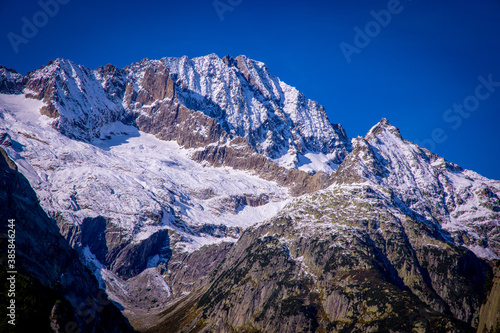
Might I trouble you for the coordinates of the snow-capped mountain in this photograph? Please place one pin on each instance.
(74, 98)
(246, 100)
(192, 176)
(89, 126)
(463, 205)
(240, 95)
(139, 185)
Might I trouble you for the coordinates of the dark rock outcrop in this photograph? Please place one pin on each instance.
(185, 274)
(489, 317)
(134, 257)
(239, 155)
(11, 82)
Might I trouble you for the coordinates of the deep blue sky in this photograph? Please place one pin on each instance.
(424, 61)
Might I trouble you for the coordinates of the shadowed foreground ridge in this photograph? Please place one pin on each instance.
(54, 290)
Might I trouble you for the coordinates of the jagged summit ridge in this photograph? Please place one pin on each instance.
(11, 82)
(74, 98)
(239, 94)
(460, 202)
(247, 101)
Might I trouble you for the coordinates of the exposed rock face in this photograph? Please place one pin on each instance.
(11, 82)
(275, 281)
(186, 272)
(114, 249)
(489, 317)
(74, 98)
(51, 276)
(240, 155)
(170, 120)
(134, 257)
(250, 102)
(240, 96)
(147, 294)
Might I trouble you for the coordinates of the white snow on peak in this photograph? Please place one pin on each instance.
(76, 94)
(275, 118)
(460, 202)
(241, 94)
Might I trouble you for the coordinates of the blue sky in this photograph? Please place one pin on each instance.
(427, 59)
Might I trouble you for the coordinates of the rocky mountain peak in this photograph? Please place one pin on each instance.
(434, 190)
(383, 126)
(239, 94)
(246, 100)
(74, 98)
(229, 61)
(11, 81)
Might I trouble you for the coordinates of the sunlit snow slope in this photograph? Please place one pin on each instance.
(136, 182)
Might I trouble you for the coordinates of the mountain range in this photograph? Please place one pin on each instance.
(206, 195)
